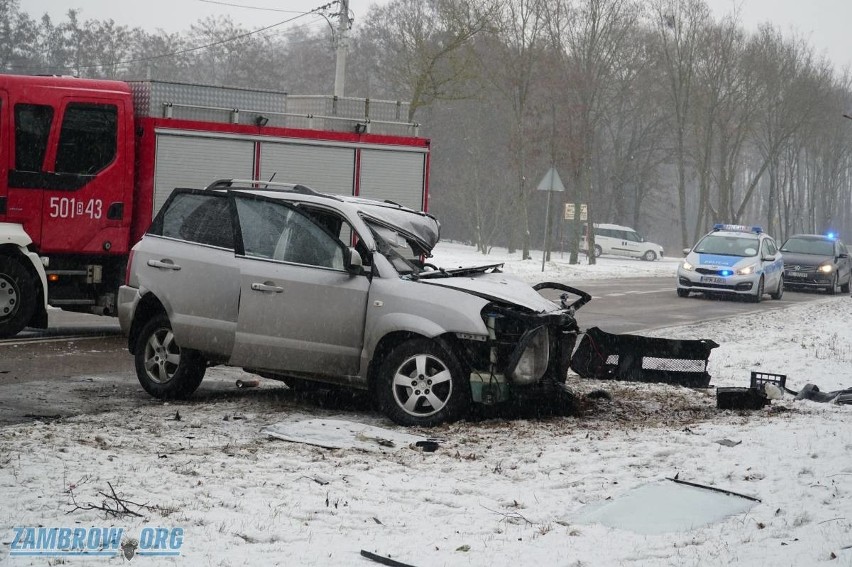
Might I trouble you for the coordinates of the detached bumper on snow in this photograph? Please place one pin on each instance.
(605, 356)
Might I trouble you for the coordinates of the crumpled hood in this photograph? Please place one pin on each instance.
(421, 228)
(500, 287)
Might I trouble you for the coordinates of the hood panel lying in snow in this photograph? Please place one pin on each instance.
(498, 286)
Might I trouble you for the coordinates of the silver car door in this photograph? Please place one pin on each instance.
(187, 261)
(300, 311)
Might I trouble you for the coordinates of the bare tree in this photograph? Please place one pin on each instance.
(792, 89)
(423, 47)
(716, 102)
(511, 58)
(590, 38)
(679, 25)
(634, 136)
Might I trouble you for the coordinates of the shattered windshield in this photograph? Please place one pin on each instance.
(395, 247)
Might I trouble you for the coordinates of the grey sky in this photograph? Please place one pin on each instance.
(178, 15)
(823, 23)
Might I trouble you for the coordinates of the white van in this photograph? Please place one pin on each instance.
(620, 241)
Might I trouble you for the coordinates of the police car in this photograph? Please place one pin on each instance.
(733, 260)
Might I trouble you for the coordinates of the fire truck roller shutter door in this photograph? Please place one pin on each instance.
(196, 161)
(327, 169)
(393, 175)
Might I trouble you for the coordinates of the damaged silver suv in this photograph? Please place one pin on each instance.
(304, 287)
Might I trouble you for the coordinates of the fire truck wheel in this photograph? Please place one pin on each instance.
(17, 296)
(164, 369)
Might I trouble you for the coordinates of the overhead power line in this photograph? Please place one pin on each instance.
(315, 11)
(262, 8)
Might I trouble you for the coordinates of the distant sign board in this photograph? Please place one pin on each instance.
(570, 211)
(551, 181)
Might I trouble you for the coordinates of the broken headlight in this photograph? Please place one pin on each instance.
(530, 359)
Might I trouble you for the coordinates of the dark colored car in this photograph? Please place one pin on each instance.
(816, 261)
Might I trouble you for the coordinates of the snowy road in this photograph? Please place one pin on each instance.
(496, 492)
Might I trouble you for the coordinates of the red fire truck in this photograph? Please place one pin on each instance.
(85, 164)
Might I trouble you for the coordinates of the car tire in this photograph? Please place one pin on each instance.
(649, 256)
(779, 293)
(682, 292)
(844, 288)
(164, 369)
(17, 297)
(598, 251)
(408, 392)
(835, 285)
(758, 297)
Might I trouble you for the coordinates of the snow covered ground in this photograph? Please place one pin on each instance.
(496, 492)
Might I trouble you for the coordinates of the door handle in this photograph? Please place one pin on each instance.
(267, 286)
(164, 264)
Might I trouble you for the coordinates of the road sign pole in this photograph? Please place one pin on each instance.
(546, 228)
(550, 183)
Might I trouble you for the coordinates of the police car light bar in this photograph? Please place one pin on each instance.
(832, 235)
(737, 228)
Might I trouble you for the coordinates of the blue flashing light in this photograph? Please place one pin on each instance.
(831, 235)
(738, 228)
(727, 273)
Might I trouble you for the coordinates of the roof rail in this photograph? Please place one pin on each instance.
(259, 184)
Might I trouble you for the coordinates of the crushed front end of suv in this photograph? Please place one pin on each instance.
(310, 288)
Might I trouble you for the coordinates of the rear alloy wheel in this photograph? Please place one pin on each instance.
(779, 293)
(598, 251)
(17, 297)
(164, 369)
(757, 298)
(421, 382)
(649, 256)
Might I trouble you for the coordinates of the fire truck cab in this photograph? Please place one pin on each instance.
(85, 164)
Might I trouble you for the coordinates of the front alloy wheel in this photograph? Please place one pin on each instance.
(421, 383)
(758, 297)
(649, 256)
(164, 369)
(779, 293)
